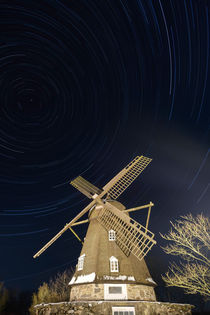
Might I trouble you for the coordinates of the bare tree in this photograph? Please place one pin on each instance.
(189, 239)
(59, 286)
(57, 290)
(42, 296)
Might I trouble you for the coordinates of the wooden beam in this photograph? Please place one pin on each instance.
(80, 222)
(77, 236)
(148, 216)
(66, 227)
(149, 205)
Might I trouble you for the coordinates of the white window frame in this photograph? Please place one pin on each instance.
(114, 264)
(81, 262)
(115, 296)
(112, 235)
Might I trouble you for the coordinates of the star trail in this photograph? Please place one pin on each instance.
(85, 86)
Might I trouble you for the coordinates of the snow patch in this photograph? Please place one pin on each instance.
(91, 277)
(82, 256)
(46, 304)
(83, 278)
(151, 280)
(129, 278)
(72, 280)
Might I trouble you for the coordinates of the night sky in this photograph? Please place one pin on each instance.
(85, 86)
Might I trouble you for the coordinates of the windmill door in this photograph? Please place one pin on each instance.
(123, 310)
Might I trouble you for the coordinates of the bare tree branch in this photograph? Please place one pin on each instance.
(189, 239)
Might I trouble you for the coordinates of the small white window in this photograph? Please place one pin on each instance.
(114, 265)
(112, 235)
(115, 291)
(81, 262)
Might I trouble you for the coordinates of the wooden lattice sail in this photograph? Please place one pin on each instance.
(129, 174)
(131, 236)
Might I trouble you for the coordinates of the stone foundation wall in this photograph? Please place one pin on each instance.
(87, 292)
(105, 308)
(93, 291)
(140, 292)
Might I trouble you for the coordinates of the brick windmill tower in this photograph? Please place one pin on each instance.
(111, 265)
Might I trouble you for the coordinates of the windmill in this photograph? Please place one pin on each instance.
(111, 265)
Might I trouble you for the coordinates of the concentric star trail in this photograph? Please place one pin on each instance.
(85, 86)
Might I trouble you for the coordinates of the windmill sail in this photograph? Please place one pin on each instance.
(131, 236)
(113, 189)
(125, 178)
(86, 187)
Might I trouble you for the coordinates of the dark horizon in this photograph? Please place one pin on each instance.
(85, 87)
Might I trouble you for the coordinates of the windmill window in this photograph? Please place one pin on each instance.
(115, 292)
(112, 235)
(81, 262)
(114, 265)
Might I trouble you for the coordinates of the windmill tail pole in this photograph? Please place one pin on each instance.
(66, 227)
(51, 241)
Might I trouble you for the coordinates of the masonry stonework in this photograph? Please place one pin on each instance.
(93, 291)
(85, 292)
(140, 292)
(105, 308)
